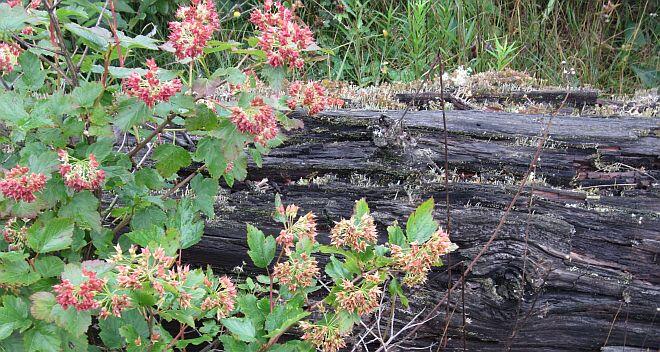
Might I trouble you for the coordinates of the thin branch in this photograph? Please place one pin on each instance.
(50, 7)
(53, 64)
(153, 134)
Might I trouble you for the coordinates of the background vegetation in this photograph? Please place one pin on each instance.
(612, 45)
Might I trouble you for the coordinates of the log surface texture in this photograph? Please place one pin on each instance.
(591, 278)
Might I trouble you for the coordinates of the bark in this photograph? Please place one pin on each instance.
(589, 258)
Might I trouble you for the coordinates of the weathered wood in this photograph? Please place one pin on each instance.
(576, 98)
(591, 270)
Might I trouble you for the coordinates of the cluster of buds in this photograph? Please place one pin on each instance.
(16, 237)
(80, 174)
(303, 228)
(311, 96)
(258, 120)
(80, 296)
(281, 37)
(323, 337)
(21, 184)
(34, 4)
(354, 233)
(8, 57)
(297, 273)
(362, 299)
(114, 305)
(222, 296)
(150, 88)
(192, 33)
(136, 269)
(417, 260)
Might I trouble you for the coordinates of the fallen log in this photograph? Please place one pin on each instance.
(576, 272)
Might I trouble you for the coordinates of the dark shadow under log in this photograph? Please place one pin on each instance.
(591, 272)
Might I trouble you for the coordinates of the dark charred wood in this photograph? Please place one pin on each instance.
(590, 270)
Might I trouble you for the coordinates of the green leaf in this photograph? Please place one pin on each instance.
(396, 289)
(42, 338)
(209, 150)
(361, 208)
(48, 266)
(131, 112)
(242, 328)
(188, 223)
(335, 269)
(12, 108)
(33, 75)
(83, 209)
(110, 328)
(15, 270)
(14, 315)
(274, 76)
(73, 321)
(54, 235)
(420, 225)
(249, 305)
(170, 158)
(42, 306)
(395, 235)
(87, 93)
(232, 74)
(138, 42)
(149, 178)
(284, 316)
(262, 249)
(12, 19)
(206, 189)
(145, 298)
(96, 37)
(231, 344)
(204, 120)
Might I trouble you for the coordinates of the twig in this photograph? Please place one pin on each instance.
(153, 134)
(447, 205)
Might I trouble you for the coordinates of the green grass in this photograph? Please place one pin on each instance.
(393, 40)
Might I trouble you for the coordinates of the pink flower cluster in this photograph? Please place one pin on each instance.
(297, 273)
(323, 337)
(280, 36)
(150, 88)
(192, 33)
(354, 233)
(258, 120)
(82, 296)
(8, 57)
(33, 4)
(360, 300)
(80, 174)
(222, 297)
(312, 96)
(417, 260)
(20, 184)
(16, 238)
(147, 266)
